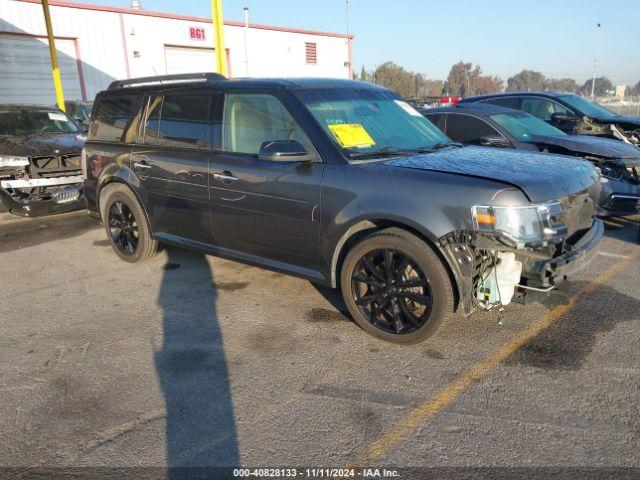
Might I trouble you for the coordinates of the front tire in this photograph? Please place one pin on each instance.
(396, 287)
(126, 224)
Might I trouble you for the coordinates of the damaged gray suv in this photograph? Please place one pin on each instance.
(338, 182)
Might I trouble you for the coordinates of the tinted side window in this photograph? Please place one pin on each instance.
(509, 102)
(542, 108)
(464, 128)
(252, 119)
(184, 121)
(111, 115)
(152, 121)
(438, 119)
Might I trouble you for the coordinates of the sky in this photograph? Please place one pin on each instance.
(555, 37)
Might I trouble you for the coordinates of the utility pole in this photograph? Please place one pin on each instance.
(347, 7)
(218, 29)
(57, 81)
(595, 62)
(246, 44)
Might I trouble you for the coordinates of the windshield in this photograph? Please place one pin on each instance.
(363, 120)
(587, 107)
(523, 126)
(20, 121)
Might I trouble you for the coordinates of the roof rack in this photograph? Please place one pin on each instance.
(167, 79)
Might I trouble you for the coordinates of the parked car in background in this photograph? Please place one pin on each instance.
(339, 182)
(40, 167)
(80, 111)
(571, 113)
(495, 126)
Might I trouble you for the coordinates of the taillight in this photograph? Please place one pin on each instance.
(83, 161)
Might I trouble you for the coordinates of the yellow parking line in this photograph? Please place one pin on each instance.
(447, 395)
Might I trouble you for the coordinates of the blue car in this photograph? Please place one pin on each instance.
(571, 113)
(495, 126)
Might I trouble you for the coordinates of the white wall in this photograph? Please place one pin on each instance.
(98, 33)
(272, 53)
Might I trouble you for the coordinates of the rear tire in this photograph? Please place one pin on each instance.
(126, 224)
(396, 287)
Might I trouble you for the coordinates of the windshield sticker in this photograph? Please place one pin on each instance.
(408, 108)
(57, 117)
(351, 135)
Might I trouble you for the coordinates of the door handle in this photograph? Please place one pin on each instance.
(225, 177)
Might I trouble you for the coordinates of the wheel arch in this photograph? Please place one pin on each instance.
(363, 227)
(116, 180)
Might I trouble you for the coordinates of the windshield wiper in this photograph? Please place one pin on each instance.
(440, 145)
(384, 151)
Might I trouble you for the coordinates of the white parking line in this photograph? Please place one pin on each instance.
(612, 255)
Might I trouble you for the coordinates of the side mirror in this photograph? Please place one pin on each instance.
(493, 141)
(284, 151)
(560, 117)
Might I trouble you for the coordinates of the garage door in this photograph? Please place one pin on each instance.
(26, 70)
(189, 60)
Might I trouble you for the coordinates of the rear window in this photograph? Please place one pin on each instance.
(507, 102)
(112, 115)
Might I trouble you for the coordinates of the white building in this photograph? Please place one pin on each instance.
(98, 44)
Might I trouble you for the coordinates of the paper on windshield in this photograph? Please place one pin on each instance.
(351, 135)
(408, 108)
(57, 117)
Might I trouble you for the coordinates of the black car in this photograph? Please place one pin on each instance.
(571, 113)
(494, 126)
(80, 111)
(338, 182)
(40, 164)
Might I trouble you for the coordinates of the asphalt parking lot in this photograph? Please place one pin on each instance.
(194, 360)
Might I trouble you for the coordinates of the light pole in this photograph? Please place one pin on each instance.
(595, 62)
(246, 47)
(347, 7)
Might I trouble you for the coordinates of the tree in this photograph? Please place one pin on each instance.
(363, 75)
(487, 85)
(562, 84)
(635, 90)
(526, 80)
(407, 84)
(603, 84)
(465, 80)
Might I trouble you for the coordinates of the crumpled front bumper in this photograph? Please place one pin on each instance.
(546, 274)
(38, 208)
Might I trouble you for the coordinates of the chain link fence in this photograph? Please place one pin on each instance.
(628, 107)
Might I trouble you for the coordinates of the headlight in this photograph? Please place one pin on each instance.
(10, 161)
(533, 223)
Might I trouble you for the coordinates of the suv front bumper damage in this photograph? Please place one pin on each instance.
(541, 271)
(63, 194)
(546, 274)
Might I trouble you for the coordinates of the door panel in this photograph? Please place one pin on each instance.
(176, 184)
(264, 208)
(269, 210)
(173, 165)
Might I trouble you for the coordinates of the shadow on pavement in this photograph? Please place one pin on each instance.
(192, 369)
(22, 233)
(568, 341)
(626, 229)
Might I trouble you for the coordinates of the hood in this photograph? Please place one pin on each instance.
(36, 145)
(632, 121)
(540, 176)
(593, 145)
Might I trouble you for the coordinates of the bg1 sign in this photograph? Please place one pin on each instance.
(196, 33)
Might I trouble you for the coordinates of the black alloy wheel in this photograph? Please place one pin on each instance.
(123, 228)
(392, 291)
